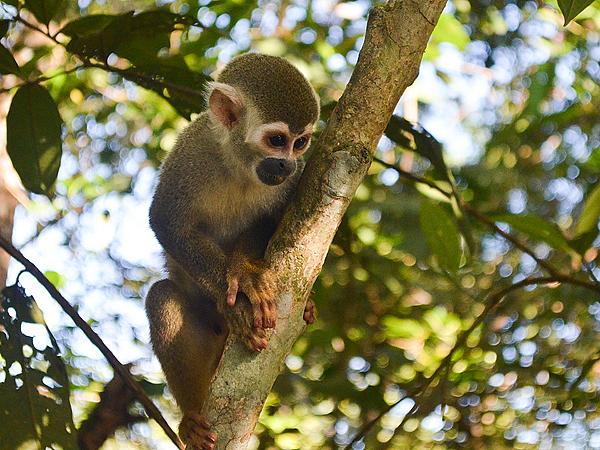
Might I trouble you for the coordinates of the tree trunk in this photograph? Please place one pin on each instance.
(396, 36)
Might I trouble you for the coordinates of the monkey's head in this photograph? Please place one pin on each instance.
(265, 110)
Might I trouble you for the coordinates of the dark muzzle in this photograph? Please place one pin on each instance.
(274, 171)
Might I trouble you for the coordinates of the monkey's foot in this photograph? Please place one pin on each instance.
(195, 432)
(241, 320)
(258, 282)
(310, 312)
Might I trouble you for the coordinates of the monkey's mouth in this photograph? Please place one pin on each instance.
(274, 171)
(270, 179)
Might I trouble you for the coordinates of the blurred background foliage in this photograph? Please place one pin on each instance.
(513, 98)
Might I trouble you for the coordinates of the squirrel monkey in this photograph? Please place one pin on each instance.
(221, 193)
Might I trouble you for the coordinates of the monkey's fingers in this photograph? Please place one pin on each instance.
(232, 290)
(195, 432)
(310, 312)
(257, 340)
(269, 314)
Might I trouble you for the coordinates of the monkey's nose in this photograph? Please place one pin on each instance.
(278, 167)
(274, 171)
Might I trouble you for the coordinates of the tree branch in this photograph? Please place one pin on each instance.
(119, 368)
(396, 36)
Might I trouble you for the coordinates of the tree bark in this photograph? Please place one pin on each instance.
(396, 36)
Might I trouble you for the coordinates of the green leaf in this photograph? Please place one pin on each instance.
(588, 220)
(425, 144)
(583, 242)
(129, 35)
(441, 234)
(571, 8)
(87, 25)
(34, 137)
(44, 10)
(174, 81)
(7, 62)
(450, 30)
(536, 228)
(34, 391)
(396, 327)
(55, 278)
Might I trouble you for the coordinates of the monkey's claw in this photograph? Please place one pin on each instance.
(310, 312)
(195, 432)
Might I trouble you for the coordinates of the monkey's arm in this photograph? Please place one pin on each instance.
(183, 239)
(248, 273)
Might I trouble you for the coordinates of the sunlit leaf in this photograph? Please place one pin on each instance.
(571, 8)
(441, 234)
(55, 278)
(34, 137)
(450, 30)
(588, 220)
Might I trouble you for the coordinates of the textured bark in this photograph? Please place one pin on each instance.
(396, 36)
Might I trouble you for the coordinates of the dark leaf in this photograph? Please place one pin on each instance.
(570, 8)
(34, 394)
(7, 62)
(34, 137)
(441, 234)
(87, 25)
(174, 81)
(129, 35)
(584, 241)
(4, 24)
(425, 144)
(44, 10)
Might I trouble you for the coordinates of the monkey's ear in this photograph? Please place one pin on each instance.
(225, 103)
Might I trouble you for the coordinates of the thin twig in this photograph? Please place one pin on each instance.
(42, 79)
(491, 224)
(140, 395)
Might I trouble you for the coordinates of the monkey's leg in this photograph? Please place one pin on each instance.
(188, 337)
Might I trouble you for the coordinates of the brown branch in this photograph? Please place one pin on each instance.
(41, 79)
(109, 414)
(396, 37)
(119, 368)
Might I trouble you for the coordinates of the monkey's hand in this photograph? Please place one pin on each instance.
(258, 282)
(310, 312)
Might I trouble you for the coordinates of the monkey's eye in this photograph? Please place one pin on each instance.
(300, 142)
(278, 140)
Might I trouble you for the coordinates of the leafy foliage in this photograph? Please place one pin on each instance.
(34, 137)
(34, 388)
(512, 99)
(571, 8)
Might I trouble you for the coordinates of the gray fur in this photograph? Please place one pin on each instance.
(278, 89)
